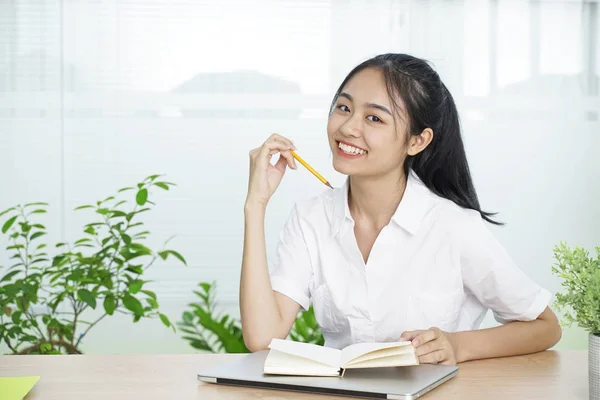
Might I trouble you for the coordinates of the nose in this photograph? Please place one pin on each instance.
(352, 127)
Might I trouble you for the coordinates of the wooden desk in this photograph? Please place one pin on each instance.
(546, 375)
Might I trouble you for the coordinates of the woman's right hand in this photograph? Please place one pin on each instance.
(265, 178)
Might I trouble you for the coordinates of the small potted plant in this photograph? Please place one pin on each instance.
(580, 301)
(45, 299)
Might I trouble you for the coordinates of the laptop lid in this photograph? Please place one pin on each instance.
(409, 382)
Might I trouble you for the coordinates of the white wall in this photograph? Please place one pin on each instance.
(88, 104)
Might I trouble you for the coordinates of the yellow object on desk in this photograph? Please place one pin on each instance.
(16, 387)
(311, 169)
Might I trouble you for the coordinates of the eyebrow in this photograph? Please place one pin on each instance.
(371, 105)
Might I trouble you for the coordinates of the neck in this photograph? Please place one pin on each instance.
(373, 201)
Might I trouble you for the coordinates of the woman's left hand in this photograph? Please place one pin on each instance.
(433, 346)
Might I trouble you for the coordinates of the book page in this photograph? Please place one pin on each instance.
(398, 360)
(356, 350)
(321, 354)
(383, 353)
(279, 363)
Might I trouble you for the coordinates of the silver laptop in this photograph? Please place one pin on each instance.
(409, 382)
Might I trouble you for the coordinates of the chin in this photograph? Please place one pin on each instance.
(343, 167)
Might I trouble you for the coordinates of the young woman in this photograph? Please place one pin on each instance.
(401, 251)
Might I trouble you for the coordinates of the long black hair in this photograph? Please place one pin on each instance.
(442, 165)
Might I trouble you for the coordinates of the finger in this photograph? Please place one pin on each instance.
(448, 361)
(429, 347)
(278, 138)
(287, 155)
(427, 336)
(270, 148)
(410, 335)
(281, 164)
(435, 357)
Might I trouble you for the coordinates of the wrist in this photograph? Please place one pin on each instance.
(458, 345)
(254, 207)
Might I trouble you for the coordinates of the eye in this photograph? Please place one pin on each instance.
(374, 118)
(343, 108)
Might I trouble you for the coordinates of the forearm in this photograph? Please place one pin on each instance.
(260, 315)
(511, 339)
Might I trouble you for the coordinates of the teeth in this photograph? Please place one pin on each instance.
(351, 149)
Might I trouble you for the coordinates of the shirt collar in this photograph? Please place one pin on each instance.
(410, 212)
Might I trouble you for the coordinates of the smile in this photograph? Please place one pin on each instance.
(351, 150)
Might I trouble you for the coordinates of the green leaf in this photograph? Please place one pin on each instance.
(198, 343)
(87, 297)
(133, 304)
(10, 275)
(110, 304)
(206, 287)
(41, 246)
(149, 293)
(188, 316)
(84, 240)
(162, 185)
(125, 189)
(107, 282)
(165, 320)
(36, 204)
(152, 177)
(6, 211)
(40, 211)
(153, 303)
(90, 230)
(120, 203)
(140, 248)
(45, 348)
(25, 227)
(117, 214)
(135, 286)
(141, 197)
(8, 224)
(84, 207)
(102, 211)
(126, 239)
(164, 254)
(135, 269)
(37, 235)
(141, 234)
(16, 317)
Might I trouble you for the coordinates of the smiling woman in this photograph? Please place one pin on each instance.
(407, 213)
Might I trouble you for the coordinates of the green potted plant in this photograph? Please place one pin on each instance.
(208, 329)
(580, 301)
(45, 299)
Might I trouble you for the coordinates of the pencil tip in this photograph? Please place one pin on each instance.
(329, 184)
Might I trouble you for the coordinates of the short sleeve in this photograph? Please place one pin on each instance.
(291, 271)
(492, 277)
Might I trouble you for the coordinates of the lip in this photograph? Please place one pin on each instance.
(346, 155)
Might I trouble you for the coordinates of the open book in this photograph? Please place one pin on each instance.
(295, 358)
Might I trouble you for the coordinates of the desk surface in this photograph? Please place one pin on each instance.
(546, 375)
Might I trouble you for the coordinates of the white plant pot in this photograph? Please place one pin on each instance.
(594, 365)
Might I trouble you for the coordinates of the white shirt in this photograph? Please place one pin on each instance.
(434, 264)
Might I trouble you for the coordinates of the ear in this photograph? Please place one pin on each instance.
(418, 143)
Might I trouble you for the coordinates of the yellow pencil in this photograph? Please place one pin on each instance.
(311, 169)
